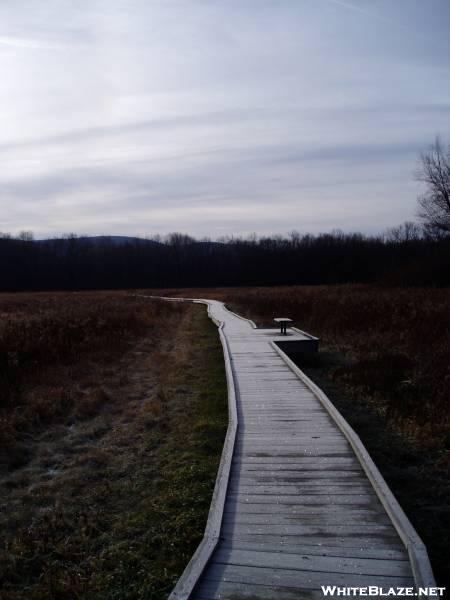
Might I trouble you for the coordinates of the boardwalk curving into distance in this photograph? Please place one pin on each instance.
(298, 502)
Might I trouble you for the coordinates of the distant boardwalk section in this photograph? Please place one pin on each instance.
(303, 506)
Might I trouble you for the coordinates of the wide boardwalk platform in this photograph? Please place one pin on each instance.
(299, 510)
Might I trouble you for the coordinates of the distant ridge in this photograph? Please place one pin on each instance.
(123, 240)
(116, 240)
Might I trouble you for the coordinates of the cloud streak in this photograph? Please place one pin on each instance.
(355, 8)
(28, 43)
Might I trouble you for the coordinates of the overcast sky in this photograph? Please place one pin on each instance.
(216, 117)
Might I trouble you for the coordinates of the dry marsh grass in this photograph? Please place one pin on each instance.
(42, 340)
(115, 447)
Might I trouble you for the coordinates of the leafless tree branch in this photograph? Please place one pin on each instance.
(434, 204)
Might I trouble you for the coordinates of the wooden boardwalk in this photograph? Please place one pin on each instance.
(299, 510)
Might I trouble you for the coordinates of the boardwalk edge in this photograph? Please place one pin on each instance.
(417, 552)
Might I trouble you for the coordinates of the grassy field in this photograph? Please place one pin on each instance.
(385, 363)
(113, 414)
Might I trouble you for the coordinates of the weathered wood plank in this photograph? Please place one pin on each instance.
(289, 523)
(298, 579)
(360, 529)
(293, 419)
(323, 448)
(360, 542)
(299, 476)
(300, 439)
(302, 510)
(267, 426)
(317, 550)
(313, 562)
(220, 590)
(287, 415)
(290, 495)
(323, 518)
(295, 464)
(303, 490)
(292, 458)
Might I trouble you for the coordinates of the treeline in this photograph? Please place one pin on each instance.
(403, 256)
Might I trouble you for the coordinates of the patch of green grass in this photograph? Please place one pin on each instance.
(171, 520)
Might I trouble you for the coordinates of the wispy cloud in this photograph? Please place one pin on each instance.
(206, 119)
(353, 7)
(29, 43)
(381, 17)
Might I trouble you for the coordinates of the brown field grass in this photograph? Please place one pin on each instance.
(112, 427)
(43, 337)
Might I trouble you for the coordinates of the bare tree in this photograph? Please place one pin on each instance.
(26, 236)
(434, 204)
(404, 233)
